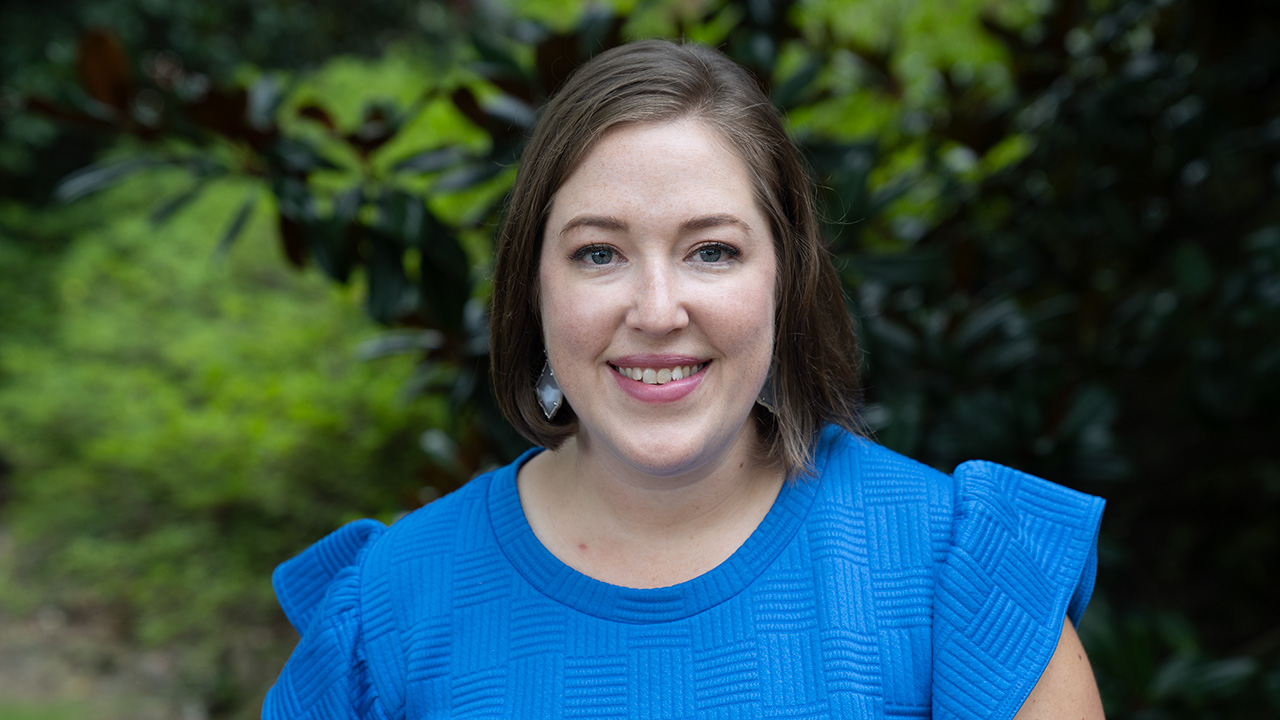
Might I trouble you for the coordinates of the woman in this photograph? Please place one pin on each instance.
(706, 533)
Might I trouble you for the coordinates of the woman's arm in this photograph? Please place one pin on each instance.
(1066, 689)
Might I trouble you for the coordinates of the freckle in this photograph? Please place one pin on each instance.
(582, 547)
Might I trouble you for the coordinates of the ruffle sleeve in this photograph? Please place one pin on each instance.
(1023, 556)
(319, 590)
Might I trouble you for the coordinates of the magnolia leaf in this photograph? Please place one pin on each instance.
(430, 161)
(236, 226)
(98, 176)
(400, 343)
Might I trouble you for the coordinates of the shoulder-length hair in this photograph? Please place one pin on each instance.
(814, 376)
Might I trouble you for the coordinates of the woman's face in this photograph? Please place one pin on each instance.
(657, 278)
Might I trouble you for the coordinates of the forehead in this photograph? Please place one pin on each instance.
(668, 167)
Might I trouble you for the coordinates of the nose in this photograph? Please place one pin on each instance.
(658, 306)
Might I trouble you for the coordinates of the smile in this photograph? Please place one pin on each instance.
(658, 376)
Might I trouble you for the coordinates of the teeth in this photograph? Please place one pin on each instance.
(659, 376)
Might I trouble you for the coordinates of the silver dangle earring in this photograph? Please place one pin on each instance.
(548, 390)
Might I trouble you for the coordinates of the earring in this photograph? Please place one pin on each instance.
(766, 398)
(548, 390)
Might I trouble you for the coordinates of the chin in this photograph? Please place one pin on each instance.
(662, 458)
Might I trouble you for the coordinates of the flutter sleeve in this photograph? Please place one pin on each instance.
(1023, 556)
(319, 590)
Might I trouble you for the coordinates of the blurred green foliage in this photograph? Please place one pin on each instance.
(183, 421)
(1056, 223)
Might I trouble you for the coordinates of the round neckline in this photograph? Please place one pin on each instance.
(567, 586)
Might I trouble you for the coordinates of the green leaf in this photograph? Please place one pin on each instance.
(466, 176)
(401, 216)
(400, 343)
(789, 92)
(293, 198)
(428, 377)
(171, 206)
(493, 55)
(333, 242)
(512, 111)
(265, 96)
(387, 281)
(299, 156)
(987, 321)
(99, 176)
(236, 226)
(438, 446)
(430, 161)
(444, 282)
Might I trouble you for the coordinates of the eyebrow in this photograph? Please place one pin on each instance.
(605, 222)
(602, 222)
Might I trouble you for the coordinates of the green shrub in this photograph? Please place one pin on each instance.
(185, 421)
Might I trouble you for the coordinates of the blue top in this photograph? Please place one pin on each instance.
(881, 588)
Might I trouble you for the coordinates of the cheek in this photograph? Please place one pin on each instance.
(746, 321)
(572, 325)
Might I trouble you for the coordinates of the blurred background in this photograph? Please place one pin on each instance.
(244, 260)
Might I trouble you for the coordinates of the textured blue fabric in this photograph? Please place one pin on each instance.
(880, 589)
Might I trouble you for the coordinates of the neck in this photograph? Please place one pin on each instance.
(623, 526)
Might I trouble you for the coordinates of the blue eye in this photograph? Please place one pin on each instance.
(715, 253)
(595, 254)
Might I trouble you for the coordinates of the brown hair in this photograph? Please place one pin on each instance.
(815, 352)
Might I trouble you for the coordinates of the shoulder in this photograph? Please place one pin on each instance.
(367, 548)
(303, 583)
(348, 593)
(1022, 557)
(976, 493)
(1013, 497)
(432, 523)
(856, 470)
(319, 591)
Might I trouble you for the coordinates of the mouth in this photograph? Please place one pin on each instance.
(659, 375)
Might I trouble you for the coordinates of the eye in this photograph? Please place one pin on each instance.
(715, 253)
(594, 255)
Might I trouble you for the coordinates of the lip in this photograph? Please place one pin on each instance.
(665, 393)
